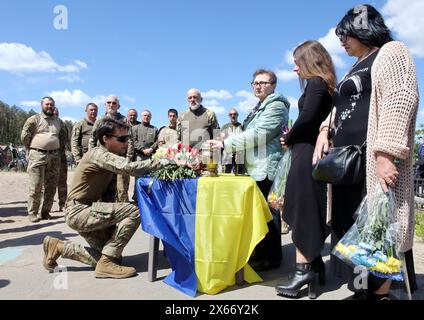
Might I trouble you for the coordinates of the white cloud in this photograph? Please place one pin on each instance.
(220, 95)
(69, 119)
(98, 99)
(129, 99)
(30, 104)
(286, 75)
(66, 98)
(248, 103)
(288, 57)
(18, 58)
(215, 106)
(332, 43)
(76, 98)
(71, 78)
(406, 19)
(293, 102)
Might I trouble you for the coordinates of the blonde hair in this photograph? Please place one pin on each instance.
(315, 61)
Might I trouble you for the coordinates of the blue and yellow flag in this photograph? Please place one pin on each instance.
(209, 228)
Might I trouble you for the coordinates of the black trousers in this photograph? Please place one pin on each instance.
(270, 247)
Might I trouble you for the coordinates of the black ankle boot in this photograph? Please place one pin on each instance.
(303, 275)
(318, 266)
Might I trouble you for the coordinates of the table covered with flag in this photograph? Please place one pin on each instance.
(208, 226)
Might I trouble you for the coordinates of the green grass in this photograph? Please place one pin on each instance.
(419, 227)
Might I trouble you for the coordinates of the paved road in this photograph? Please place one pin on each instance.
(23, 277)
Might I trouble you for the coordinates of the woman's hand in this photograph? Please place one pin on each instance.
(321, 146)
(386, 170)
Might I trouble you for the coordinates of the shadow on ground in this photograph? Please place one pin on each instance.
(4, 283)
(34, 239)
(32, 227)
(140, 261)
(13, 212)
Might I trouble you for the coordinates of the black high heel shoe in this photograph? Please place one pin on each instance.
(318, 266)
(303, 275)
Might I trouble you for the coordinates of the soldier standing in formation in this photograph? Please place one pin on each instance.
(119, 182)
(232, 161)
(107, 227)
(197, 124)
(82, 132)
(62, 184)
(168, 136)
(132, 116)
(43, 135)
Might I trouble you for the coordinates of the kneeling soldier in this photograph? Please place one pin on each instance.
(107, 227)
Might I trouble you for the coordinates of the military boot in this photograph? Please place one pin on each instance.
(45, 216)
(107, 268)
(33, 218)
(53, 248)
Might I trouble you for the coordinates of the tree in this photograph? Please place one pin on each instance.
(12, 120)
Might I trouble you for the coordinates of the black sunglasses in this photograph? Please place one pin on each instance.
(121, 139)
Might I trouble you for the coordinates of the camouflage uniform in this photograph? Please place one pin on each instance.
(39, 132)
(168, 137)
(107, 227)
(62, 184)
(196, 127)
(121, 181)
(81, 133)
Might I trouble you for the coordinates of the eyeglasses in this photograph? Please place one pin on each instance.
(260, 83)
(342, 37)
(112, 102)
(121, 139)
(232, 114)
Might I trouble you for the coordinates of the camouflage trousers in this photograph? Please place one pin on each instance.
(122, 185)
(43, 170)
(107, 228)
(62, 184)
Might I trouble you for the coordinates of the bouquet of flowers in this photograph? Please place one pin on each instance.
(278, 188)
(370, 242)
(176, 163)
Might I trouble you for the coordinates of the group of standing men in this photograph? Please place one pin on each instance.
(45, 136)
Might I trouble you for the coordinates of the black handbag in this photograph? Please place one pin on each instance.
(341, 165)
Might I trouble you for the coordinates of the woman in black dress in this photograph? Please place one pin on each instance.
(305, 205)
(355, 122)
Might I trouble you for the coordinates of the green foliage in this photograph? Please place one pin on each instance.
(173, 172)
(419, 136)
(12, 120)
(419, 227)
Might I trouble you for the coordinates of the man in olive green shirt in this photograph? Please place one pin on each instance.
(82, 131)
(43, 135)
(198, 124)
(168, 136)
(107, 227)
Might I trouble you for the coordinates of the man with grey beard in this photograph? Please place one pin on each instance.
(196, 125)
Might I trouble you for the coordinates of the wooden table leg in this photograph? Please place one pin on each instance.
(152, 267)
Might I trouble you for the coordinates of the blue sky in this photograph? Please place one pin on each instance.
(150, 53)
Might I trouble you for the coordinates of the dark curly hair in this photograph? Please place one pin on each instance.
(366, 24)
(107, 126)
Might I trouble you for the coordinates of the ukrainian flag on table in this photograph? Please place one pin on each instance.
(209, 228)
